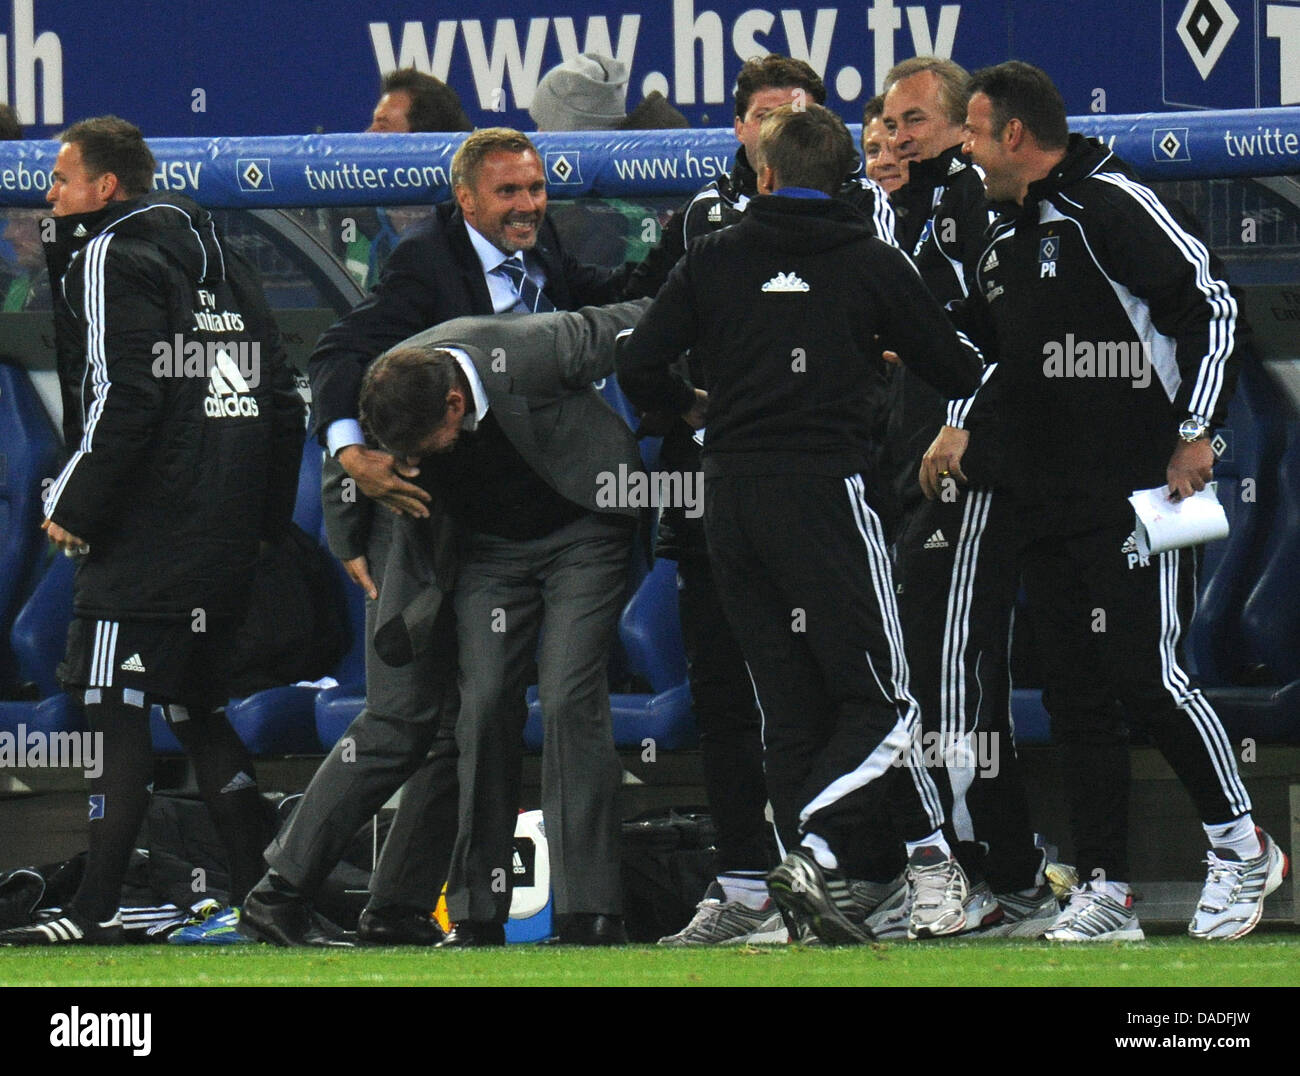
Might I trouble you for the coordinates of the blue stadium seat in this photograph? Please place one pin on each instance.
(651, 632)
(337, 707)
(1217, 648)
(307, 507)
(38, 637)
(612, 394)
(282, 720)
(58, 713)
(40, 631)
(29, 452)
(1271, 617)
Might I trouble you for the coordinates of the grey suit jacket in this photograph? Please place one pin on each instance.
(537, 370)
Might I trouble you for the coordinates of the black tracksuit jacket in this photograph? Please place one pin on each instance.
(178, 464)
(1092, 277)
(718, 205)
(790, 348)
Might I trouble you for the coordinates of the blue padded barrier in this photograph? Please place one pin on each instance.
(600, 163)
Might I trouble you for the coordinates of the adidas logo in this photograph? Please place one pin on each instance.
(240, 780)
(715, 213)
(785, 282)
(956, 165)
(133, 664)
(228, 391)
(936, 541)
(1130, 545)
(991, 262)
(79, 232)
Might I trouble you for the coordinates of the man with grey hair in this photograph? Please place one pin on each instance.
(954, 557)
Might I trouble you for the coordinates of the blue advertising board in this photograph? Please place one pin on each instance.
(311, 66)
(395, 169)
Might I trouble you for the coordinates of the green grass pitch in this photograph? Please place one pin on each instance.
(1271, 959)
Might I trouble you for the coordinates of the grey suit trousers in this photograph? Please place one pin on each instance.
(403, 736)
(565, 590)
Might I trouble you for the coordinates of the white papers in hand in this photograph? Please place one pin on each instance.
(1163, 524)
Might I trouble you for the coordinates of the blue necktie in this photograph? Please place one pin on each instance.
(533, 298)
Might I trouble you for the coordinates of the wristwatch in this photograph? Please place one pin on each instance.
(1192, 430)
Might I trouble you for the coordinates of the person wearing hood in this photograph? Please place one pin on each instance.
(184, 433)
(786, 314)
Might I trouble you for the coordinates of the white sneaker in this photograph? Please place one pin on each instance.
(1093, 916)
(1233, 898)
(938, 894)
(718, 921)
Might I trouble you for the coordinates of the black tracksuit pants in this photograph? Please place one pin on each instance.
(1109, 631)
(804, 574)
(731, 739)
(955, 563)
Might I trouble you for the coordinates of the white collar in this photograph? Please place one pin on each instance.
(470, 421)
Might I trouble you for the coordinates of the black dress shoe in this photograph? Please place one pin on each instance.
(398, 926)
(273, 915)
(471, 934)
(586, 928)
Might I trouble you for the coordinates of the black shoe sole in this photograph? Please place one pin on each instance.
(802, 897)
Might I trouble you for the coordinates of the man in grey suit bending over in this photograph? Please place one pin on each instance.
(496, 418)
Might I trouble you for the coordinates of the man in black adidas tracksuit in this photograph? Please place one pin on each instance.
(955, 552)
(782, 312)
(1116, 336)
(185, 434)
(730, 734)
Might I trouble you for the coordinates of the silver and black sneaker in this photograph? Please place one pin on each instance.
(820, 899)
(1093, 915)
(718, 921)
(1027, 913)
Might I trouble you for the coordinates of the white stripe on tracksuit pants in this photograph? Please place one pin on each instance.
(956, 572)
(804, 575)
